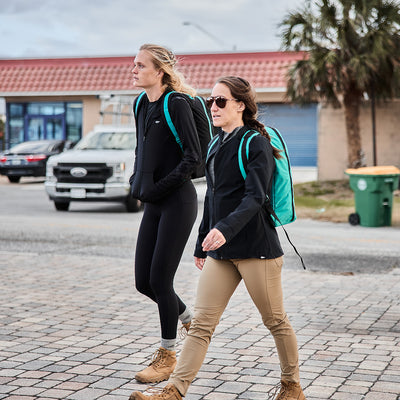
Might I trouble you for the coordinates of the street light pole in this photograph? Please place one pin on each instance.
(210, 35)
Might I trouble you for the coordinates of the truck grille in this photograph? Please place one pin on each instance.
(96, 173)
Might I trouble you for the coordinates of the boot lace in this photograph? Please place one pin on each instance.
(183, 330)
(287, 390)
(274, 391)
(161, 393)
(153, 390)
(157, 358)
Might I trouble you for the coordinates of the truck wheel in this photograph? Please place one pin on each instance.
(354, 219)
(132, 205)
(14, 179)
(61, 205)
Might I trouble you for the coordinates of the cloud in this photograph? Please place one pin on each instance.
(20, 6)
(48, 28)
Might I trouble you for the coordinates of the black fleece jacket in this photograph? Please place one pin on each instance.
(236, 207)
(160, 164)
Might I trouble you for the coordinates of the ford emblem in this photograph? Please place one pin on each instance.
(78, 172)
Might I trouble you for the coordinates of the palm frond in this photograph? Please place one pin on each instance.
(351, 43)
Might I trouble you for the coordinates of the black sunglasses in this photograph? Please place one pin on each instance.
(219, 101)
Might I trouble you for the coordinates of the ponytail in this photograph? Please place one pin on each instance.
(259, 127)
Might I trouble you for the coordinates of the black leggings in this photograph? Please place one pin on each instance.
(163, 233)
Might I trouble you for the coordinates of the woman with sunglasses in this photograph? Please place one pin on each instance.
(237, 240)
(161, 180)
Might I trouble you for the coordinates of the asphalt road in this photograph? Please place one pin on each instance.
(29, 223)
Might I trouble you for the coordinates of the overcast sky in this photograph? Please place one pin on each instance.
(67, 28)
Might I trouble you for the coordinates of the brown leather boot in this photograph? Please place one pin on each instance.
(184, 329)
(170, 392)
(160, 368)
(290, 391)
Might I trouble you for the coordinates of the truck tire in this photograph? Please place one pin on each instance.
(132, 205)
(61, 205)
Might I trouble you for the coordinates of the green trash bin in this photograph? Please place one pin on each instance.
(373, 189)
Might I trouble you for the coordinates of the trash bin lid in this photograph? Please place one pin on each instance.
(379, 170)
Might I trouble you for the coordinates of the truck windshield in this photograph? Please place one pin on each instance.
(107, 141)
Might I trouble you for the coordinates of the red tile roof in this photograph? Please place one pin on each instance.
(113, 74)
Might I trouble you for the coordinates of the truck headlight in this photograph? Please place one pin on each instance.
(119, 171)
(50, 172)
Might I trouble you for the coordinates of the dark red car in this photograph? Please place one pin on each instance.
(29, 158)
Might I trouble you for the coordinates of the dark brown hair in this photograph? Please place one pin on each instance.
(242, 91)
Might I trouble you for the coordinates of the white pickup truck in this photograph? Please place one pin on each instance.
(96, 169)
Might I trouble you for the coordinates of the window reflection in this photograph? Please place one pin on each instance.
(43, 120)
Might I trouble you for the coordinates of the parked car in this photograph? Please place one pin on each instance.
(98, 168)
(29, 158)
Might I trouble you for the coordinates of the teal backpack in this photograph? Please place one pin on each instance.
(202, 119)
(281, 203)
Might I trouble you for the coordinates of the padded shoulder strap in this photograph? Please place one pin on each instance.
(240, 151)
(206, 113)
(211, 144)
(169, 119)
(137, 103)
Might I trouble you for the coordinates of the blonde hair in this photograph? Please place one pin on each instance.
(165, 61)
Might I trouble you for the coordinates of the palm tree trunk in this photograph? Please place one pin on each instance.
(352, 101)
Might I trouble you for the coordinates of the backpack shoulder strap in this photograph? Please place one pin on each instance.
(169, 119)
(240, 150)
(206, 113)
(214, 140)
(137, 103)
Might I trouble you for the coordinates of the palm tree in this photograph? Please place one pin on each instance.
(352, 49)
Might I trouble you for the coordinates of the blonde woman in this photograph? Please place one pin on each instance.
(161, 180)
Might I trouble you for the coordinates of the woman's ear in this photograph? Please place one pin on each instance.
(241, 106)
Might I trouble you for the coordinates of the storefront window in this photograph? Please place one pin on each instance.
(34, 121)
(74, 121)
(16, 110)
(33, 109)
(16, 131)
(45, 108)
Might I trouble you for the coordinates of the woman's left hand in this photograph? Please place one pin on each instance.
(213, 241)
(199, 262)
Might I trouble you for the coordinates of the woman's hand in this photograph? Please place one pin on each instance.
(213, 241)
(199, 262)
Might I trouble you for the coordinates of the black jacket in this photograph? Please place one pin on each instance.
(160, 165)
(236, 207)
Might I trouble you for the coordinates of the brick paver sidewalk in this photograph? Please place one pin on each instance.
(75, 328)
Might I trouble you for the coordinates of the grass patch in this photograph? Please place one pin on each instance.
(332, 201)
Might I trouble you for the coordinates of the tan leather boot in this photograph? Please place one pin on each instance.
(160, 368)
(290, 391)
(170, 392)
(184, 329)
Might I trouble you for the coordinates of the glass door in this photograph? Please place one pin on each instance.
(34, 128)
(39, 127)
(54, 127)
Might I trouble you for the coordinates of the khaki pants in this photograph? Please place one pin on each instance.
(217, 283)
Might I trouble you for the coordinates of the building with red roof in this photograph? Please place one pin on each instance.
(83, 76)
(66, 97)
